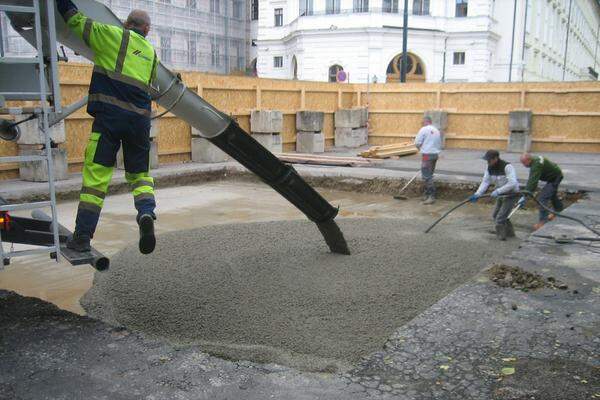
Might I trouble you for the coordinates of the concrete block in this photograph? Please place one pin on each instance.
(154, 128)
(519, 142)
(266, 139)
(519, 120)
(195, 132)
(309, 121)
(277, 143)
(439, 119)
(348, 137)
(37, 171)
(206, 152)
(351, 118)
(31, 133)
(266, 121)
(310, 142)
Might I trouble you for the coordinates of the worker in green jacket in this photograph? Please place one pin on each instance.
(542, 169)
(119, 100)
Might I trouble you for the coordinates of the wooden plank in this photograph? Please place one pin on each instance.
(315, 159)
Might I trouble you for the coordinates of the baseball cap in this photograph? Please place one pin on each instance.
(491, 154)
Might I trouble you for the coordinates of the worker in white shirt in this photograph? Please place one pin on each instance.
(429, 143)
(504, 177)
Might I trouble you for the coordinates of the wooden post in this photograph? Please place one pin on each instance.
(438, 99)
(200, 90)
(258, 98)
(302, 98)
(523, 98)
(358, 98)
(340, 99)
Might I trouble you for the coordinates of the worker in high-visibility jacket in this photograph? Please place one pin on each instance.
(124, 67)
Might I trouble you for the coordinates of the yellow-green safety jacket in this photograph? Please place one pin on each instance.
(124, 64)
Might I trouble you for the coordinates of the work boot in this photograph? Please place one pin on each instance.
(429, 200)
(538, 225)
(147, 239)
(501, 231)
(79, 242)
(510, 230)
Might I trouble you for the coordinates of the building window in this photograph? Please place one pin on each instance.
(333, 72)
(390, 6)
(254, 10)
(215, 6)
(237, 9)
(192, 55)
(361, 6)
(420, 7)
(332, 6)
(279, 17)
(215, 55)
(192, 4)
(165, 49)
(278, 62)
(306, 7)
(461, 8)
(459, 58)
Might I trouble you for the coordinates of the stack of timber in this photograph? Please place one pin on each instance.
(390, 150)
(300, 158)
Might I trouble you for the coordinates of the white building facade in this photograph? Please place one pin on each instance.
(448, 40)
(203, 35)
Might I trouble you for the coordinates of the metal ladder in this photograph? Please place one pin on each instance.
(41, 114)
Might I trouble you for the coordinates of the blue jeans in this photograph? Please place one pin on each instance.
(428, 162)
(548, 196)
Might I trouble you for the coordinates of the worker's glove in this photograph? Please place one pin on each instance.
(473, 198)
(495, 194)
(521, 202)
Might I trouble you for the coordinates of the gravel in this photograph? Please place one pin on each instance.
(271, 292)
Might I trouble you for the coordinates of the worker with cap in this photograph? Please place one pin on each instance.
(503, 176)
(124, 67)
(542, 169)
(429, 143)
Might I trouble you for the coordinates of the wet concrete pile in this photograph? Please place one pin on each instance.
(271, 292)
(517, 278)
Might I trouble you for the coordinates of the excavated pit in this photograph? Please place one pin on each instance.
(271, 292)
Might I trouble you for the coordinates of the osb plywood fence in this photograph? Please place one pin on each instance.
(566, 116)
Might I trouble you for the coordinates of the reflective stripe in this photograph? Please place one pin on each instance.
(119, 103)
(93, 192)
(122, 51)
(143, 196)
(87, 30)
(121, 78)
(138, 184)
(89, 207)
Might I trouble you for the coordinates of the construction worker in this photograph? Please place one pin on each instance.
(542, 169)
(429, 143)
(124, 67)
(504, 178)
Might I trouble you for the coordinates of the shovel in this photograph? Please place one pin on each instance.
(399, 196)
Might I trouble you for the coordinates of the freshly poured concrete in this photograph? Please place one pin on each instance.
(189, 207)
(271, 292)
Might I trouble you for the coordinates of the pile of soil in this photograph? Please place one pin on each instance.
(517, 278)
